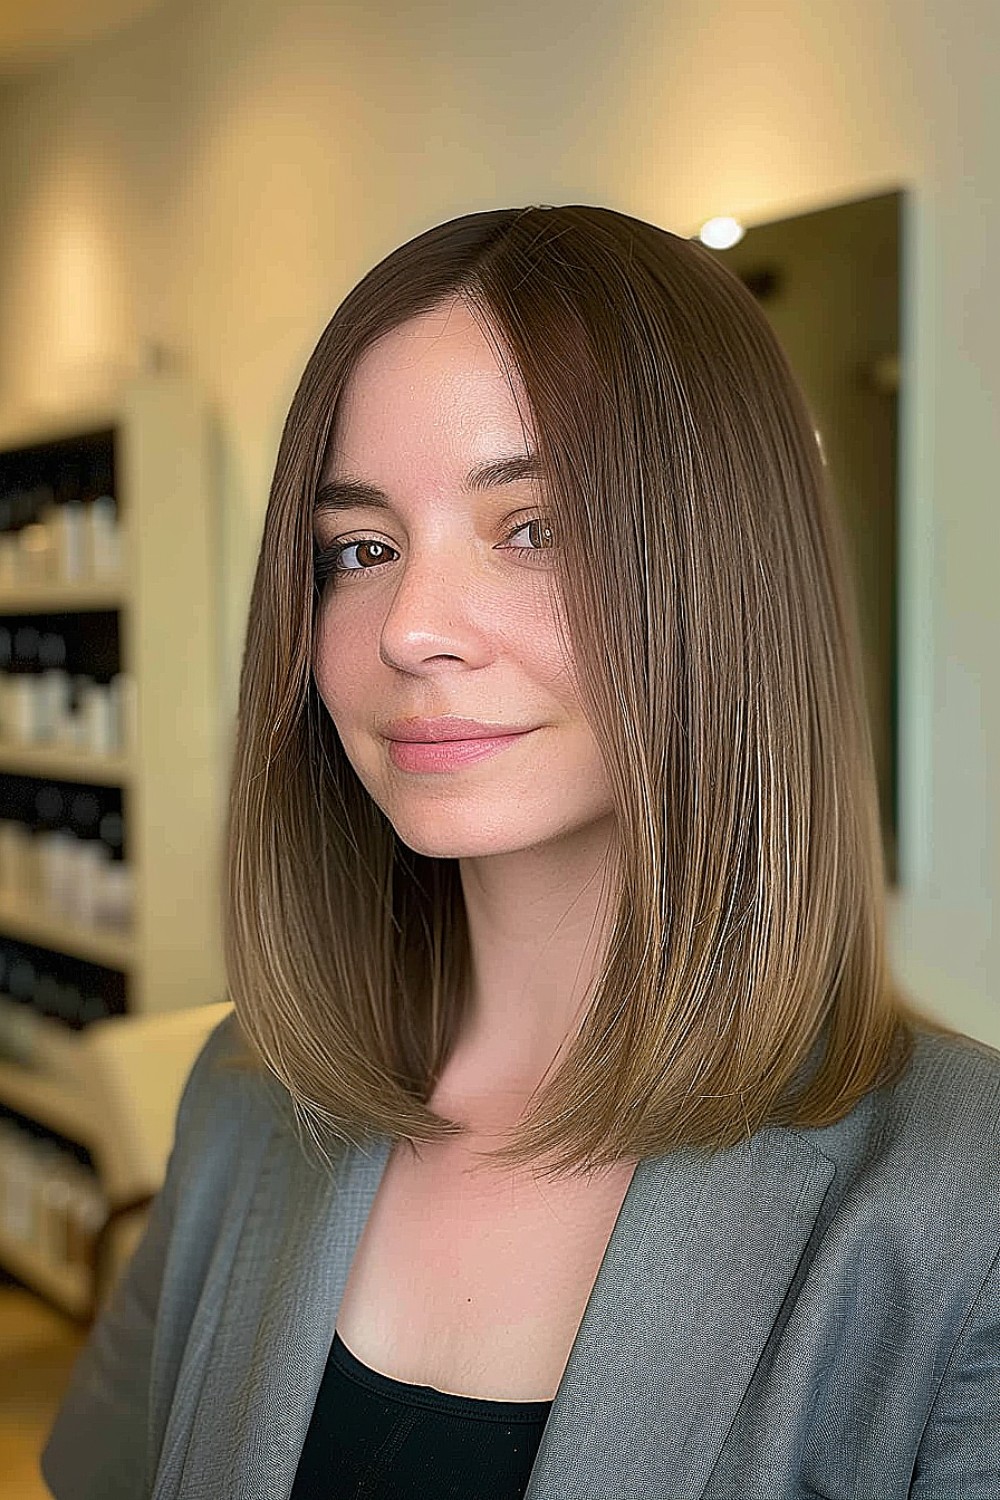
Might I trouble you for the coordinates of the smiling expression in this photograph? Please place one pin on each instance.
(435, 573)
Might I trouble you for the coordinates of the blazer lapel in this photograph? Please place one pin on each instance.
(243, 1403)
(691, 1283)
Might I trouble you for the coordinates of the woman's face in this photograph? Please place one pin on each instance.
(434, 613)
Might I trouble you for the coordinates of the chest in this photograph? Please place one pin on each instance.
(475, 1282)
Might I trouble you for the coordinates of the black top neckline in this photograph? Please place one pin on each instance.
(426, 1395)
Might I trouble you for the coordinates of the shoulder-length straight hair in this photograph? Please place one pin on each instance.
(714, 630)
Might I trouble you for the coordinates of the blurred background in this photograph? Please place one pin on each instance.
(187, 191)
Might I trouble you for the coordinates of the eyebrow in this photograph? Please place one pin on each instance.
(346, 494)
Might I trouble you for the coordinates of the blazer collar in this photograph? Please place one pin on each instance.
(693, 1278)
(691, 1283)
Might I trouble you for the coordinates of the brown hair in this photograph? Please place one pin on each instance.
(714, 627)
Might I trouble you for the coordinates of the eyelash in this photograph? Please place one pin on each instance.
(325, 562)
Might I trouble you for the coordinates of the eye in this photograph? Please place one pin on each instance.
(328, 564)
(543, 531)
(327, 561)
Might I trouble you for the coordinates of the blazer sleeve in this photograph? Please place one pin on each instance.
(959, 1451)
(97, 1447)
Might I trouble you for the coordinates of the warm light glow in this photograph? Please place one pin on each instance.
(721, 233)
(31, 34)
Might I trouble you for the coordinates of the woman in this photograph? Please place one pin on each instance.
(573, 1139)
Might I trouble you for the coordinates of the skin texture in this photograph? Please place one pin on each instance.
(445, 618)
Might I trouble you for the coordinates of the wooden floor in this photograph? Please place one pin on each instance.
(37, 1349)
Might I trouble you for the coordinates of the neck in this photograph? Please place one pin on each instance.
(538, 924)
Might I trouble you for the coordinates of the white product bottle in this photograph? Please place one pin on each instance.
(98, 716)
(105, 547)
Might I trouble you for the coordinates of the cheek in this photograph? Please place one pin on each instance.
(337, 668)
(541, 644)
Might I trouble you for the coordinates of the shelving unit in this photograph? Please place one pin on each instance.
(77, 765)
(19, 918)
(113, 1087)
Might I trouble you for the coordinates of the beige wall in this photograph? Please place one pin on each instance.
(216, 177)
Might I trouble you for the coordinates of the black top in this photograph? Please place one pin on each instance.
(374, 1438)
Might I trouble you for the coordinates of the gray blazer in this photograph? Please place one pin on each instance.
(810, 1315)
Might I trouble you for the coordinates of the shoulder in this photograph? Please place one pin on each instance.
(917, 1162)
(229, 1096)
(942, 1110)
(946, 1104)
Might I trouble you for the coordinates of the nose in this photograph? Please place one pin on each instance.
(440, 606)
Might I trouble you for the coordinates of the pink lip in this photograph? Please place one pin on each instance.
(448, 755)
(435, 731)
